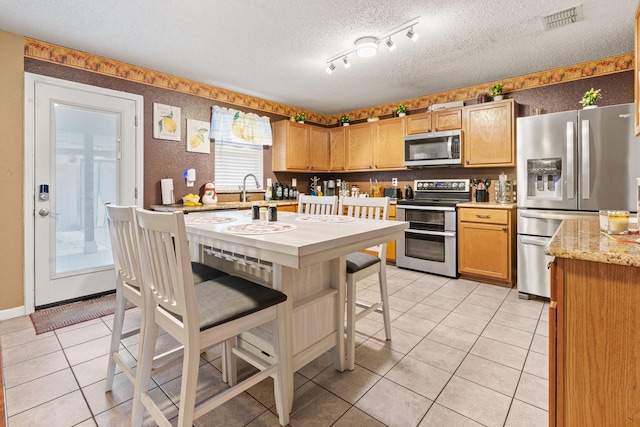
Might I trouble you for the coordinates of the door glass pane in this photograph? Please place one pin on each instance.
(86, 175)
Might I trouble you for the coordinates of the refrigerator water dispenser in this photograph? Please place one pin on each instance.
(544, 178)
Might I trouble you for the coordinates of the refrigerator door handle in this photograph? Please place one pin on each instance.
(570, 159)
(538, 241)
(586, 190)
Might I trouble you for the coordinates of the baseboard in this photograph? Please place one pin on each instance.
(10, 313)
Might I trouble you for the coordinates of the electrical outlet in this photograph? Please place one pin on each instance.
(394, 182)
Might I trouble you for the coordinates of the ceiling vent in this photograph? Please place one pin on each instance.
(562, 18)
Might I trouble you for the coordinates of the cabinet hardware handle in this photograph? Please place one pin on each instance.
(429, 130)
(467, 162)
(370, 167)
(504, 228)
(483, 216)
(436, 129)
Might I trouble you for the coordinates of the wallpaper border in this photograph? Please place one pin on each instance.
(97, 64)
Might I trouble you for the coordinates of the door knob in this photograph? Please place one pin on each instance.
(43, 212)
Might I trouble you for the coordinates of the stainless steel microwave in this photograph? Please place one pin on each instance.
(433, 149)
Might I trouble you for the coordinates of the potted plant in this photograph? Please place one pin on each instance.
(300, 117)
(344, 119)
(591, 98)
(496, 92)
(401, 109)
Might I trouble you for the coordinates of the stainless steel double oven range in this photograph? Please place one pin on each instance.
(430, 243)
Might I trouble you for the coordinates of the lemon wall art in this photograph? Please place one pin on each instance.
(166, 122)
(198, 136)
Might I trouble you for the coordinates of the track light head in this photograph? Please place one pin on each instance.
(412, 34)
(346, 62)
(366, 47)
(390, 44)
(330, 68)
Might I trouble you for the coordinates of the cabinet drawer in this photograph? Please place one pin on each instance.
(490, 216)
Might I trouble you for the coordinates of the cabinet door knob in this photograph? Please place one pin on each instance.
(436, 129)
(429, 130)
(504, 228)
(467, 162)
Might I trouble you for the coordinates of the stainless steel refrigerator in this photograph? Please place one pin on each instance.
(570, 164)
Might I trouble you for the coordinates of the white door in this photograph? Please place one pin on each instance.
(85, 147)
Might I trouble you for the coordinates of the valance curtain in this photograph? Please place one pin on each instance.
(229, 125)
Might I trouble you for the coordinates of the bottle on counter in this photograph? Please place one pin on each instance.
(268, 193)
(278, 191)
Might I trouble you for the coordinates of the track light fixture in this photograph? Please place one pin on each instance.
(412, 35)
(390, 44)
(366, 47)
(330, 68)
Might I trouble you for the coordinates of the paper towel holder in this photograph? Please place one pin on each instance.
(166, 187)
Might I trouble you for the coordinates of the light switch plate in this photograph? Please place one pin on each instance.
(394, 182)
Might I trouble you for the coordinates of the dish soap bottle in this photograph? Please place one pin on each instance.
(268, 192)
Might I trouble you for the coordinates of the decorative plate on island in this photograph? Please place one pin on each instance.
(324, 218)
(261, 227)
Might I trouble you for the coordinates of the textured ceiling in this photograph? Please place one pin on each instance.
(277, 50)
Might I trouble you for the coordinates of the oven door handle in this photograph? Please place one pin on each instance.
(431, 233)
(425, 208)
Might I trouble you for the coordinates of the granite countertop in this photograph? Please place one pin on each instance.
(581, 239)
(221, 206)
(488, 205)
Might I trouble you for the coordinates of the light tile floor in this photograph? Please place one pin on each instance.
(463, 353)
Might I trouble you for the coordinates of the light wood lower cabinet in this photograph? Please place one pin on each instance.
(594, 344)
(288, 208)
(486, 244)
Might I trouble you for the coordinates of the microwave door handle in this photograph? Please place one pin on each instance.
(570, 159)
(586, 191)
(449, 148)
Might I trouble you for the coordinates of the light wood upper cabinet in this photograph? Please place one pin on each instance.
(636, 62)
(447, 119)
(376, 145)
(486, 244)
(436, 121)
(418, 123)
(388, 146)
(290, 149)
(489, 134)
(359, 152)
(318, 149)
(299, 147)
(337, 149)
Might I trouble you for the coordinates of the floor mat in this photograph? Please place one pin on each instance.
(69, 314)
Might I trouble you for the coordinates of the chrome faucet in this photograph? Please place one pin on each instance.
(244, 186)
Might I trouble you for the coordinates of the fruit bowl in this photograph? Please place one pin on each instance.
(191, 200)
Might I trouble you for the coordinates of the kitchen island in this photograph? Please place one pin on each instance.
(304, 256)
(594, 327)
